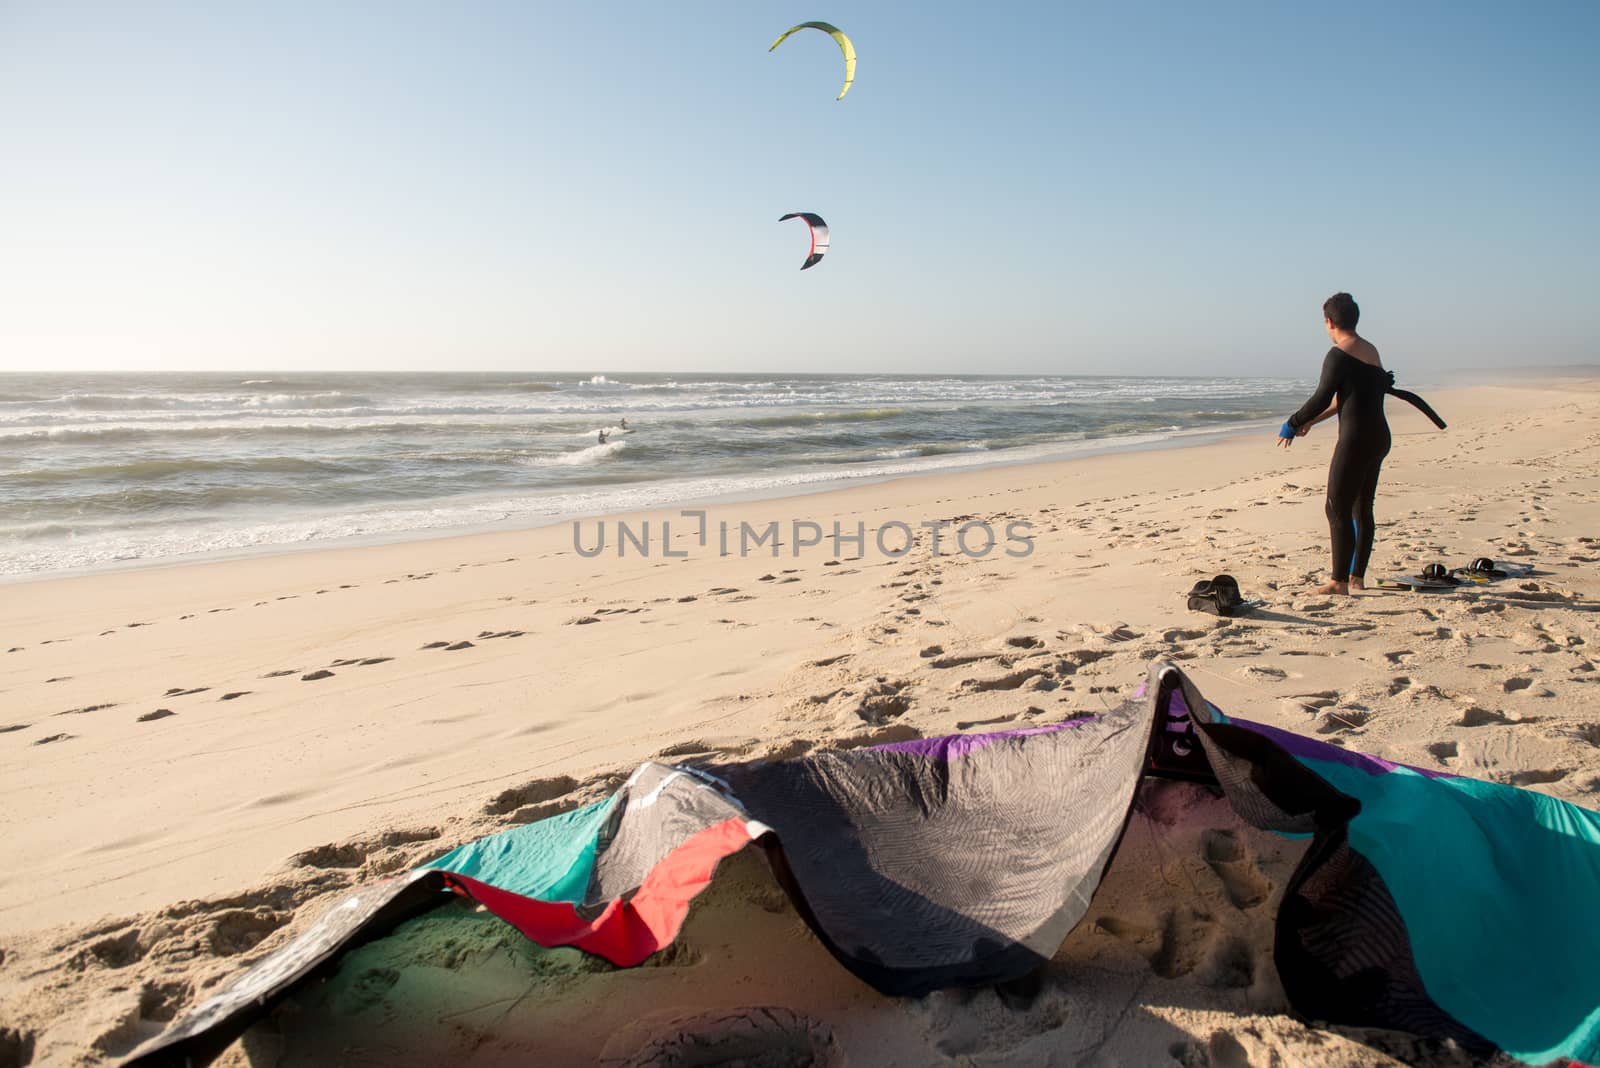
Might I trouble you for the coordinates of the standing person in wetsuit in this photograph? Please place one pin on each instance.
(1353, 385)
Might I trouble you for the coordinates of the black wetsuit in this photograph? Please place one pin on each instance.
(1363, 443)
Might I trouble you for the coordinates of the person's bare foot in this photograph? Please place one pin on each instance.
(1356, 584)
(1334, 587)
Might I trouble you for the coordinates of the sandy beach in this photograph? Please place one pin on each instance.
(197, 759)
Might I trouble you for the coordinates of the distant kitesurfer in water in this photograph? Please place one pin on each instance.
(602, 437)
(624, 424)
(1353, 386)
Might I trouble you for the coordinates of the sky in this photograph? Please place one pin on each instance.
(1134, 188)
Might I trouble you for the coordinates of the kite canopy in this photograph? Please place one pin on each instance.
(1451, 908)
(845, 46)
(819, 235)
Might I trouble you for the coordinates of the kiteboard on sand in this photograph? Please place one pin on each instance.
(1484, 570)
(1436, 577)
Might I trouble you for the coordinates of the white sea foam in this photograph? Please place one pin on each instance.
(594, 454)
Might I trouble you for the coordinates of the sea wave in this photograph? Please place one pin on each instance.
(594, 454)
(142, 466)
(120, 432)
(132, 471)
(848, 415)
(153, 402)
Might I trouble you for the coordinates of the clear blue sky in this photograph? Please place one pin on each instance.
(1146, 188)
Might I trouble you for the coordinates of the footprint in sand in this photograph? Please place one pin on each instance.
(757, 1034)
(354, 854)
(280, 674)
(315, 675)
(238, 930)
(161, 1002)
(1072, 662)
(970, 723)
(885, 735)
(536, 792)
(882, 701)
(348, 855)
(1312, 702)
(1261, 671)
(1348, 718)
(1241, 879)
(1538, 776)
(86, 708)
(1588, 733)
(794, 747)
(52, 738)
(963, 659)
(160, 713)
(1009, 681)
(1174, 946)
(697, 748)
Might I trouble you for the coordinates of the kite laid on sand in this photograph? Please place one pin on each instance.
(845, 46)
(1447, 907)
(819, 235)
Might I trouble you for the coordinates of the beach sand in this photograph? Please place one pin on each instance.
(196, 760)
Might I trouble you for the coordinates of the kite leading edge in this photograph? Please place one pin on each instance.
(819, 235)
(845, 46)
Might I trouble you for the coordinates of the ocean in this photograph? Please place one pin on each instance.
(119, 469)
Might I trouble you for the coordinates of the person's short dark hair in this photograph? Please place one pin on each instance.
(1341, 310)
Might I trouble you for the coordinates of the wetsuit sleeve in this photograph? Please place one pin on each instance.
(1416, 402)
(1325, 391)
